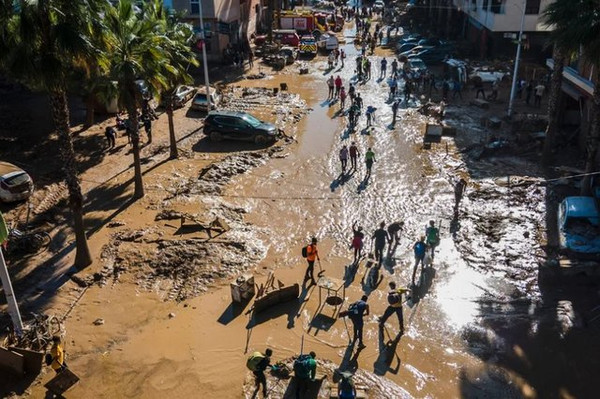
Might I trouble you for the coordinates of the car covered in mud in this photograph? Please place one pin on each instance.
(15, 183)
(235, 125)
(579, 226)
(200, 101)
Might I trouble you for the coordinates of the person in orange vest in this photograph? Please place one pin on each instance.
(312, 254)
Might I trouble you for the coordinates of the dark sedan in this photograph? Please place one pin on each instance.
(234, 125)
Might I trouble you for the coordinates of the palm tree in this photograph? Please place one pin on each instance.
(47, 41)
(177, 44)
(576, 26)
(554, 98)
(135, 54)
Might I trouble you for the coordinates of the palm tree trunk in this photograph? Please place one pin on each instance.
(60, 114)
(135, 142)
(553, 103)
(172, 138)
(593, 139)
(90, 103)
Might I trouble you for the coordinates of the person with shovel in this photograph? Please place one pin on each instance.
(258, 363)
(394, 306)
(312, 254)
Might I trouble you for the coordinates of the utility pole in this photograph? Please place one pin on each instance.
(518, 58)
(204, 59)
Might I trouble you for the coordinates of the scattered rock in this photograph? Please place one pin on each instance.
(98, 322)
(171, 315)
(80, 281)
(116, 223)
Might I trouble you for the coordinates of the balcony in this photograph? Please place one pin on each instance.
(573, 77)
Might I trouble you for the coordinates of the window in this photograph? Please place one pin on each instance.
(485, 5)
(498, 6)
(195, 7)
(532, 7)
(473, 5)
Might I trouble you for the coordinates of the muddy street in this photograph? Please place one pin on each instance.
(478, 322)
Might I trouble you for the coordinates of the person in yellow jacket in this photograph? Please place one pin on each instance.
(58, 355)
(312, 254)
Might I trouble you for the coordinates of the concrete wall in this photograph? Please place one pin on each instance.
(509, 21)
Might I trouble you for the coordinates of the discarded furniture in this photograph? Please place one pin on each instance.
(268, 295)
(332, 287)
(433, 133)
(243, 288)
(32, 360)
(12, 362)
(62, 382)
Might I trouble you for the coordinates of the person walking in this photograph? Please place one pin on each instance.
(395, 106)
(459, 190)
(344, 158)
(353, 155)
(346, 388)
(57, 355)
(342, 56)
(342, 98)
(479, 87)
(356, 312)
(258, 363)
(432, 83)
(369, 159)
(394, 68)
(393, 86)
(433, 237)
(148, 129)
(312, 254)
(457, 89)
(368, 68)
(383, 69)
(528, 91)
(394, 306)
(539, 92)
(358, 101)
(351, 92)
(419, 249)
(330, 60)
(380, 238)
(305, 370)
(338, 85)
(494, 95)
(352, 112)
(250, 58)
(394, 230)
(330, 85)
(111, 136)
(370, 114)
(357, 241)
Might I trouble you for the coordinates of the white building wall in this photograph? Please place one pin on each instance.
(509, 21)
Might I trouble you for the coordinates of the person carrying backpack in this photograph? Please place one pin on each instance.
(312, 254)
(433, 237)
(305, 370)
(419, 248)
(346, 388)
(380, 237)
(395, 306)
(357, 241)
(356, 313)
(258, 363)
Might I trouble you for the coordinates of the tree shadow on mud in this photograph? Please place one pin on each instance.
(387, 353)
(205, 144)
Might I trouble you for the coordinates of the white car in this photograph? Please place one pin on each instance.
(379, 5)
(15, 183)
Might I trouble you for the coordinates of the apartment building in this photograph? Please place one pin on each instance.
(226, 22)
(493, 26)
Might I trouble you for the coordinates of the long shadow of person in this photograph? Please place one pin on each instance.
(387, 353)
(349, 360)
(424, 284)
(338, 181)
(350, 273)
(371, 280)
(454, 225)
(363, 184)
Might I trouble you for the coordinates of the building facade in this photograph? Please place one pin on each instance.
(493, 26)
(575, 106)
(226, 22)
